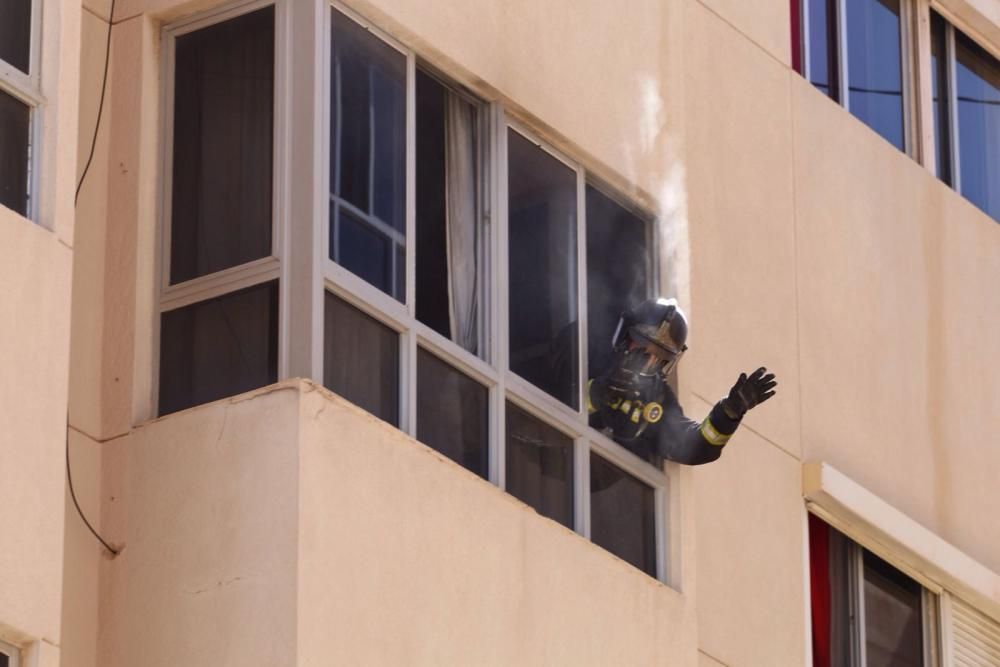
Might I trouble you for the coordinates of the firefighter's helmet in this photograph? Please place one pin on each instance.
(653, 334)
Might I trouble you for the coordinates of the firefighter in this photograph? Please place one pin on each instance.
(633, 403)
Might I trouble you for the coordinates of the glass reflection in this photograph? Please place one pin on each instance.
(368, 156)
(539, 466)
(822, 32)
(939, 91)
(874, 67)
(978, 90)
(622, 514)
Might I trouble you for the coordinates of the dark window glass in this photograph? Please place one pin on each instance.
(223, 136)
(939, 91)
(822, 40)
(452, 413)
(361, 359)
(622, 515)
(542, 269)
(618, 271)
(15, 33)
(978, 90)
(15, 123)
(368, 155)
(874, 66)
(540, 466)
(4, 660)
(448, 229)
(219, 347)
(892, 616)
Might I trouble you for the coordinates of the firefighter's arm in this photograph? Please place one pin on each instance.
(686, 441)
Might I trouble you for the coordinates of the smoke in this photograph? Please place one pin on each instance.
(657, 159)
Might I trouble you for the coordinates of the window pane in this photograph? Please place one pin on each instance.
(223, 135)
(15, 123)
(622, 514)
(452, 413)
(448, 241)
(539, 466)
(892, 616)
(618, 272)
(939, 91)
(220, 347)
(822, 36)
(542, 269)
(978, 88)
(368, 147)
(15, 33)
(4, 659)
(361, 359)
(874, 66)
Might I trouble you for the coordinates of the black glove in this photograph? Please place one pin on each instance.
(749, 392)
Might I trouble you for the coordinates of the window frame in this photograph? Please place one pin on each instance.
(273, 267)
(908, 66)
(933, 598)
(952, 25)
(27, 89)
(12, 653)
(493, 371)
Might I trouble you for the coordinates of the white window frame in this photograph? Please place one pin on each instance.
(908, 69)
(493, 372)
(931, 605)
(27, 89)
(951, 25)
(12, 652)
(256, 272)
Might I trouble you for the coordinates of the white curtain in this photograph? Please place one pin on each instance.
(461, 220)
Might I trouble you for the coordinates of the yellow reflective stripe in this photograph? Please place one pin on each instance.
(712, 435)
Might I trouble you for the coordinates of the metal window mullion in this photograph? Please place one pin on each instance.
(408, 382)
(365, 297)
(410, 246)
(281, 229)
(842, 59)
(12, 652)
(500, 311)
(856, 592)
(952, 91)
(804, 39)
(662, 532)
(909, 58)
(947, 625)
(581, 290)
(581, 486)
(931, 628)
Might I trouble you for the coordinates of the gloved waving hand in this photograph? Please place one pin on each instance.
(749, 392)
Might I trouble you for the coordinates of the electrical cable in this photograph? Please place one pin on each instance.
(76, 197)
(72, 494)
(100, 104)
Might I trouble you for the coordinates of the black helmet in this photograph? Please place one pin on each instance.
(657, 328)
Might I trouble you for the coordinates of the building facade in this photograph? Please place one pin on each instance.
(305, 295)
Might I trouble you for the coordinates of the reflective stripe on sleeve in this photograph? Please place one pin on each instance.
(712, 435)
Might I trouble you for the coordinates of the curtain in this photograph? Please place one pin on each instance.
(461, 221)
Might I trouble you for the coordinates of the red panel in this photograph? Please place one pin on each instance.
(796, 14)
(819, 587)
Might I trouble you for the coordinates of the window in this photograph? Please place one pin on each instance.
(470, 276)
(19, 100)
(219, 294)
(485, 366)
(966, 89)
(856, 46)
(864, 610)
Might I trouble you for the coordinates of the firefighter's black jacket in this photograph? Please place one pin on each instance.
(673, 437)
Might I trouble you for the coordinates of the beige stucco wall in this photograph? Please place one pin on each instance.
(289, 527)
(815, 248)
(35, 267)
